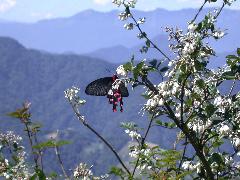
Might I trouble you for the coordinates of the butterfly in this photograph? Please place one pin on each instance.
(103, 87)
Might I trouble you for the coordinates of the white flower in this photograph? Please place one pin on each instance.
(133, 134)
(121, 71)
(217, 101)
(128, 26)
(131, 3)
(117, 2)
(218, 34)
(71, 93)
(224, 129)
(188, 165)
(192, 27)
(82, 171)
(161, 102)
(141, 21)
(127, 131)
(149, 167)
(236, 142)
(188, 48)
(123, 16)
(178, 115)
(134, 153)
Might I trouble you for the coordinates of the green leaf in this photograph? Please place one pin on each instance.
(117, 171)
(212, 27)
(53, 175)
(47, 144)
(148, 44)
(50, 144)
(200, 83)
(33, 177)
(231, 57)
(169, 125)
(210, 109)
(199, 27)
(41, 174)
(62, 143)
(238, 51)
(164, 69)
(128, 66)
(153, 63)
(14, 114)
(216, 158)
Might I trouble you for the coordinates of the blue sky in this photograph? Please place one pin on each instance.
(33, 10)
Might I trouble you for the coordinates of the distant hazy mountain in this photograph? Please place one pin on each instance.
(91, 30)
(120, 54)
(41, 78)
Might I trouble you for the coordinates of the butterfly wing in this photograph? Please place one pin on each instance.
(99, 87)
(123, 89)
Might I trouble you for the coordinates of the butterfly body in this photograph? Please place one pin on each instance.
(104, 87)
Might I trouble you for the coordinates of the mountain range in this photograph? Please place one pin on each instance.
(92, 32)
(41, 78)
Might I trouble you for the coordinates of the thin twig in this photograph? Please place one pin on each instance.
(60, 162)
(81, 118)
(31, 144)
(200, 9)
(183, 155)
(150, 41)
(142, 143)
(39, 151)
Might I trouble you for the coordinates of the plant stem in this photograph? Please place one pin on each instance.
(190, 136)
(81, 118)
(151, 42)
(60, 162)
(142, 143)
(200, 9)
(31, 144)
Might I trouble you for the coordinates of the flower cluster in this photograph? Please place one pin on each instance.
(129, 3)
(121, 71)
(132, 130)
(188, 165)
(71, 95)
(82, 171)
(9, 137)
(13, 166)
(133, 134)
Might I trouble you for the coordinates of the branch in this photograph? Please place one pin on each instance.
(31, 144)
(183, 155)
(200, 9)
(190, 135)
(61, 162)
(142, 143)
(81, 118)
(145, 36)
(39, 151)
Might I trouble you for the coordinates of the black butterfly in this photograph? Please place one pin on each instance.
(103, 87)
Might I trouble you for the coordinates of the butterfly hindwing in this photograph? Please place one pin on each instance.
(123, 89)
(99, 87)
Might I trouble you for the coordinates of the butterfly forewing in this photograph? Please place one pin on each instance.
(99, 87)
